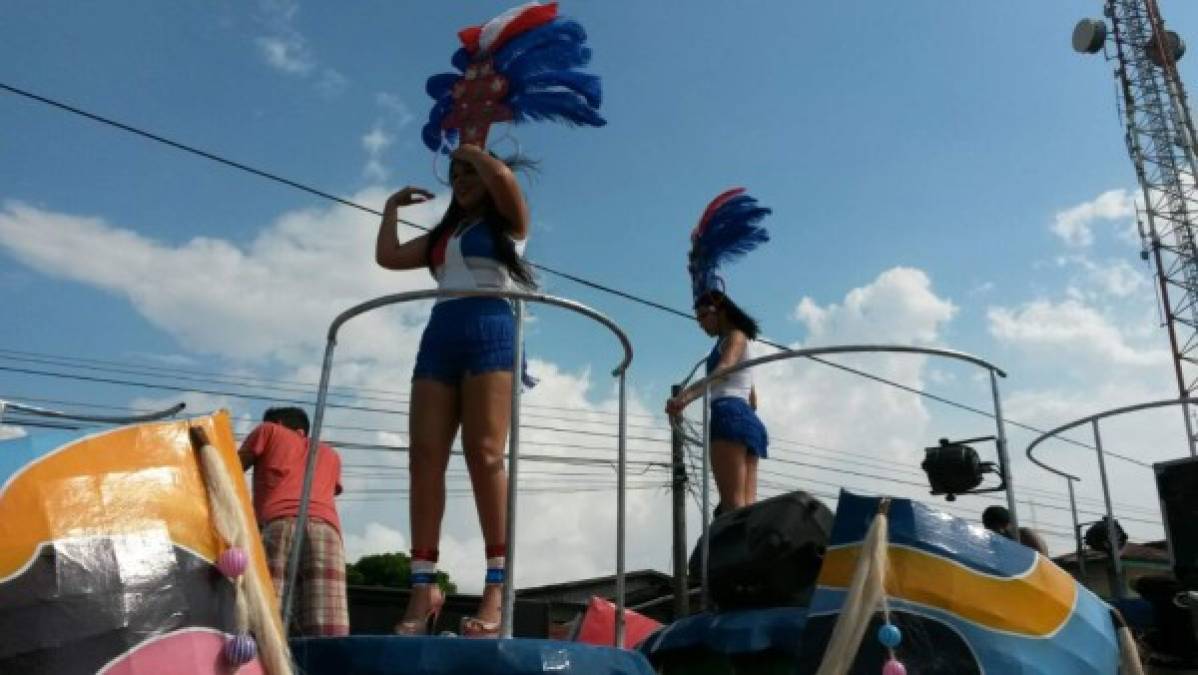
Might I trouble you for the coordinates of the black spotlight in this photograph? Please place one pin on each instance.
(955, 468)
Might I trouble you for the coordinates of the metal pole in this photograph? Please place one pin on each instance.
(1185, 411)
(1003, 457)
(513, 459)
(1077, 533)
(1112, 540)
(301, 518)
(678, 489)
(620, 531)
(706, 490)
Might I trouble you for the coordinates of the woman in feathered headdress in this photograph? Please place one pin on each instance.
(516, 68)
(728, 229)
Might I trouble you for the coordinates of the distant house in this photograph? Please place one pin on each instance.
(1138, 560)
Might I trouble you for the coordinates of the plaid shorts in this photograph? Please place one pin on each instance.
(320, 606)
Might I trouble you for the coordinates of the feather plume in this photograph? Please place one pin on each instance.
(441, 85)
(557, 106)
(730, 228)
(461, 59)
(585, 85)
(538, 65)
(556, 45)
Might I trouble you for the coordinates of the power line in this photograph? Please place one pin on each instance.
(256, 397)
(248, 381)
(562, 445)
(570, 277)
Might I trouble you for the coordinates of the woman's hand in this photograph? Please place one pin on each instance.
(468, 152)
(675, 406)
(408, 197)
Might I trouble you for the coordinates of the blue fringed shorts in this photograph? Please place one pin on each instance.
(733, 420)
(467, 336)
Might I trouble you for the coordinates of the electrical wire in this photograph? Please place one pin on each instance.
(564, 275)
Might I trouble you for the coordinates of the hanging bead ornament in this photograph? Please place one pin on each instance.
(890, 636)
(239, 649)
(232, 562)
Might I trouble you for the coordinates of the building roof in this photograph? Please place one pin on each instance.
(1148, 552)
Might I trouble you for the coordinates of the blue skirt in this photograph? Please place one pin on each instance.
(467, 336)
(733, 420)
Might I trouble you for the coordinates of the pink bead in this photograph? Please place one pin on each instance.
(232, 562)
(894, 667)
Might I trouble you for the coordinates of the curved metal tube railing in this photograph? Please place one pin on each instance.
(1070, 479)
(102, 419)
(706, 382)
(518, 298)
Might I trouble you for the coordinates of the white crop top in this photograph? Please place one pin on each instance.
(736, 385)
(467, 260)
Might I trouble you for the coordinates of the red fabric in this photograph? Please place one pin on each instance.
(599, 625)
(469, 38)
(438, 254)
(280, 456)
(533, 17)
(711, 208)
(426, 554)
(496, 551)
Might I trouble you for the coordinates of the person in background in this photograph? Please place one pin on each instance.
(729, 228)
(1029, 538)
(997, 519)
(277, 450)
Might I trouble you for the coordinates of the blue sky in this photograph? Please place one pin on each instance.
(942, 140)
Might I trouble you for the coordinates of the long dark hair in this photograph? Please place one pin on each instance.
(736, 316)
(497, 225)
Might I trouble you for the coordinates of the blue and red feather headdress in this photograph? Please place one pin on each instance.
(518, 67)
(729, 228)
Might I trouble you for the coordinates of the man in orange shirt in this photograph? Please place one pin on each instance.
(277, 449)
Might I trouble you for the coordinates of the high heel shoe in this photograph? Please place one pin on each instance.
(426, 625)
(474, 627)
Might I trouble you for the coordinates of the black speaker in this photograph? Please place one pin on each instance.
(767, 554)
(1177, 485)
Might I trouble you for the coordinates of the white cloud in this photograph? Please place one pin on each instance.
(375, 142)
(395, 107)
(285, 48)
(1069, 327)
(899, 304)
(375, 538)
(288, 53)
(395, 116)
(1075, 225)
(274, 297)
(813, 403)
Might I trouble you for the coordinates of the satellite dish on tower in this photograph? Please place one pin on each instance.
(1089, 35)
(1173, 41)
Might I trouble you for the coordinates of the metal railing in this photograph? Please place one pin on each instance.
(77, 417)
(518, 298)
(1117, 587)
(706, 382)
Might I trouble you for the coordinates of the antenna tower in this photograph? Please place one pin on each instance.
(1160, 138)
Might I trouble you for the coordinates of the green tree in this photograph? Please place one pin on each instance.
(392, 570)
